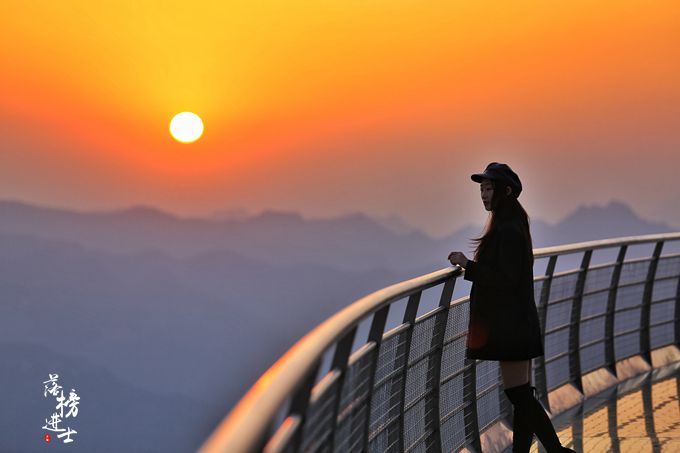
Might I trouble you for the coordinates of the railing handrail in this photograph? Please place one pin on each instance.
(249, 420)
(577, 247)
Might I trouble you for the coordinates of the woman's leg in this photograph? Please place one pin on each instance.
(527, 409)
(515, 374)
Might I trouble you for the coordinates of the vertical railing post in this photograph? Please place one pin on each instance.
(375, 336)
(613, 425)
(645, 310)
(609, 353)
(575, 324)
(409, 318)
(470, 420)
(577, 429)
(343, 349)
(677, 316)
(648, 409)
(432, 416)
(299, 403)
(541, 376)
(470, 408)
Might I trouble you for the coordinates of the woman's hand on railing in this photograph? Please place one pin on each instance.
(457, 258)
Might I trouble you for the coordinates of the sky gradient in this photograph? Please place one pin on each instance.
(332, 107)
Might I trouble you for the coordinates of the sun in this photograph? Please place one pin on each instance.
(186, 127)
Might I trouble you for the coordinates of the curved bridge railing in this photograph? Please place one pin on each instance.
(411, 388)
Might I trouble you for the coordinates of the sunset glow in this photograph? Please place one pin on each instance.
(352, 97)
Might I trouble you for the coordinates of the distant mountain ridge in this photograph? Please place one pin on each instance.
(350, 242)
(599, 222)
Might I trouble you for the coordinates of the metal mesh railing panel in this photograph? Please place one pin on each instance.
(558, 315)
(629, 296)
(318, 430)
(415, 427)
(488, 403)
(593, 310)
(353, 408)
(634, 272)
(385, 403)
(592, 357)
(453, 432)
(664, 289)
(453, 358)
(457, 322)
(663, 335)
(627, 345)
(592, 330)
(662, 312)
(386, 440)
(563, 286)
(627, 320)
(392, 355)
(452, 394)
(594, 304)
(598, 279)
(668, 267)
(488, 409)
(557, 372)
(418, 380)
(556, 343)
(421, 343)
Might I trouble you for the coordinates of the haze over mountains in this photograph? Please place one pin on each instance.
(354, 242)
(151, 314)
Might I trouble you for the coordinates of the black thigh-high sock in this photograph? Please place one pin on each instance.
(522, 435)
(529, 409)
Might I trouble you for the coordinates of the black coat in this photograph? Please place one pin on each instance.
(503, 322)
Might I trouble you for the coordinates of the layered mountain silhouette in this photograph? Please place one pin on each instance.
(353, 242)
(181, 315)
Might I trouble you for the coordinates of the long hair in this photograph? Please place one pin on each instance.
(504, 208)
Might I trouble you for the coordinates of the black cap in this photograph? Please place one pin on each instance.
(503, 173)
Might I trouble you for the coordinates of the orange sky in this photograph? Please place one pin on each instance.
(336, 106)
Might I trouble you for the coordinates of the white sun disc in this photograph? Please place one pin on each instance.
(186, 127)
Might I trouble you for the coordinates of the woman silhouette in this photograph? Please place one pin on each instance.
(503, 322)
